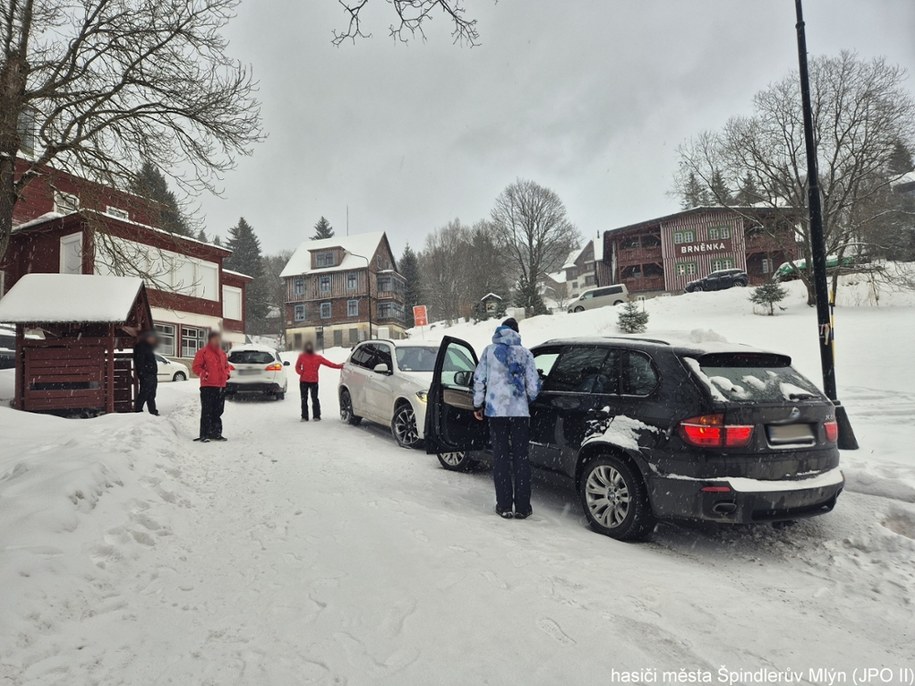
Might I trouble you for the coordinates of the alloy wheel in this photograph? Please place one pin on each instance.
(452, 459)
(404, 426)
(607, 496)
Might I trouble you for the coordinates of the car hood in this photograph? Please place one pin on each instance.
(422, 380)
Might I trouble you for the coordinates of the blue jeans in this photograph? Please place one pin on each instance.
(511, 469)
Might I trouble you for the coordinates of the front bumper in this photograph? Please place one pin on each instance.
(742, 500)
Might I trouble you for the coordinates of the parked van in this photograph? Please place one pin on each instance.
(600, 297)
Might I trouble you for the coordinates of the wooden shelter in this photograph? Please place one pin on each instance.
(85, 320)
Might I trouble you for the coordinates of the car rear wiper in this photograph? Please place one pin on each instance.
(802, 396)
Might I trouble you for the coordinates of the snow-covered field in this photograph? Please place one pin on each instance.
(323, 554)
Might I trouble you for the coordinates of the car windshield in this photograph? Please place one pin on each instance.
(416, 359)
(251, 357)
(752, 377)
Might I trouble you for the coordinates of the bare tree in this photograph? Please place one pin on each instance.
(861, 111)
(531, 224)
(97, 87)
(411, 16)
(443, 264)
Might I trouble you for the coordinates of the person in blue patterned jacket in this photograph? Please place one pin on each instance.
(504, 385)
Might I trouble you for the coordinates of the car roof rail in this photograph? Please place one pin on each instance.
(643, 339)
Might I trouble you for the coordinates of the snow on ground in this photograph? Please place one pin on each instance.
(323, 554)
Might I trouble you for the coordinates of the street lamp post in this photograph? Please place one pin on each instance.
(847, 438)
(368, 284)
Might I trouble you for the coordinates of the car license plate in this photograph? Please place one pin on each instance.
(787, 434)
(244, 372)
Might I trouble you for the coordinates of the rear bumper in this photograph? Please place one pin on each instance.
(745, 501)
(234, 387)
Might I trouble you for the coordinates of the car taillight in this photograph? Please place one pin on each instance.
(275, 367)
(832, 431)
(710, 431)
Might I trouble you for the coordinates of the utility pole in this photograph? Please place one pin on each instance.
(847, 440)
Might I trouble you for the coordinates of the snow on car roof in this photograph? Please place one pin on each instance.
(253, 346)
(54, 298)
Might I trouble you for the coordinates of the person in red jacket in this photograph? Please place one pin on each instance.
(212, 366)
(307, 367)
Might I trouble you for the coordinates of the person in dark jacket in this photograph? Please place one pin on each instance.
(147, 371)
(212, 366)
(307, 367)
(505, 383)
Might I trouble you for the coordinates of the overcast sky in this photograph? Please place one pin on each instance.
(588, 97)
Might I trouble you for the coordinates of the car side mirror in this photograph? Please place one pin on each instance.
(463, 379)
(286, 363)
(381, 368)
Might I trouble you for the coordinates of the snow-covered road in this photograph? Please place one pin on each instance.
(321, 553)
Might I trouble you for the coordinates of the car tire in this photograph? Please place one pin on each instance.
(280, 396)
(346, 409)
(741, 283)
(618, 302)
(696, 289)
(458, 462)
(179, 376)
(579, 309)
(615, 499)
(403, 426)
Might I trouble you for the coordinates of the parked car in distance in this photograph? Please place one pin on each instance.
(386, 382)
(256, 369)
(719, 281)
(615, 294)
(171, 370)
(644, 430)
(788, 271)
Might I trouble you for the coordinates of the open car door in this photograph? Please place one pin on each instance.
(450, 424)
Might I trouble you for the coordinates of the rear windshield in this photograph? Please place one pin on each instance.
(752, 377)
(250, 357)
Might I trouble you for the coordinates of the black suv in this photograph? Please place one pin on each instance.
(719, 281)
(644, 430)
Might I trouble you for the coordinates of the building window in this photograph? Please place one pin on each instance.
(298, 286)
(352, 281)
(112, 211)
(324, 284)
(722, 263)
(725, 231)
(718, 232)
(299, 313)
(166, 339)
(379, 262)
(766, 265)
(325, 259)
(687, 268)
(326, 311)
(232, 303)
(192, 340)
(338, 338)
(352, 308)
(684, 237)
(65, 203)
(353, 336)
(71, 254)
(391, 311)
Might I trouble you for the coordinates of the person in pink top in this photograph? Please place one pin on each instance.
(307, 367)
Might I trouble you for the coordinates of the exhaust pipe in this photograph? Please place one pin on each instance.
(724, 508)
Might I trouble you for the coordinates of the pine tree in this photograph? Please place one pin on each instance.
(323, 229)
(202, 236)
(694, 195)
(150, 183)
(409, 269)
(900, 160)
(719, 193)
(246, 258)
(632, 319)
(747, 195)
(768, 295)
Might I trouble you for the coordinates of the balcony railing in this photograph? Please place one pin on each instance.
(639, 255)
(645, 284)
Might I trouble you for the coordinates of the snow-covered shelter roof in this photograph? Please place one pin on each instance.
(57, 298)
(362, 244)
(491, 295)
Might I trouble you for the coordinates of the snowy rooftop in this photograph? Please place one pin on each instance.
(363, 244)
(53, 298)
